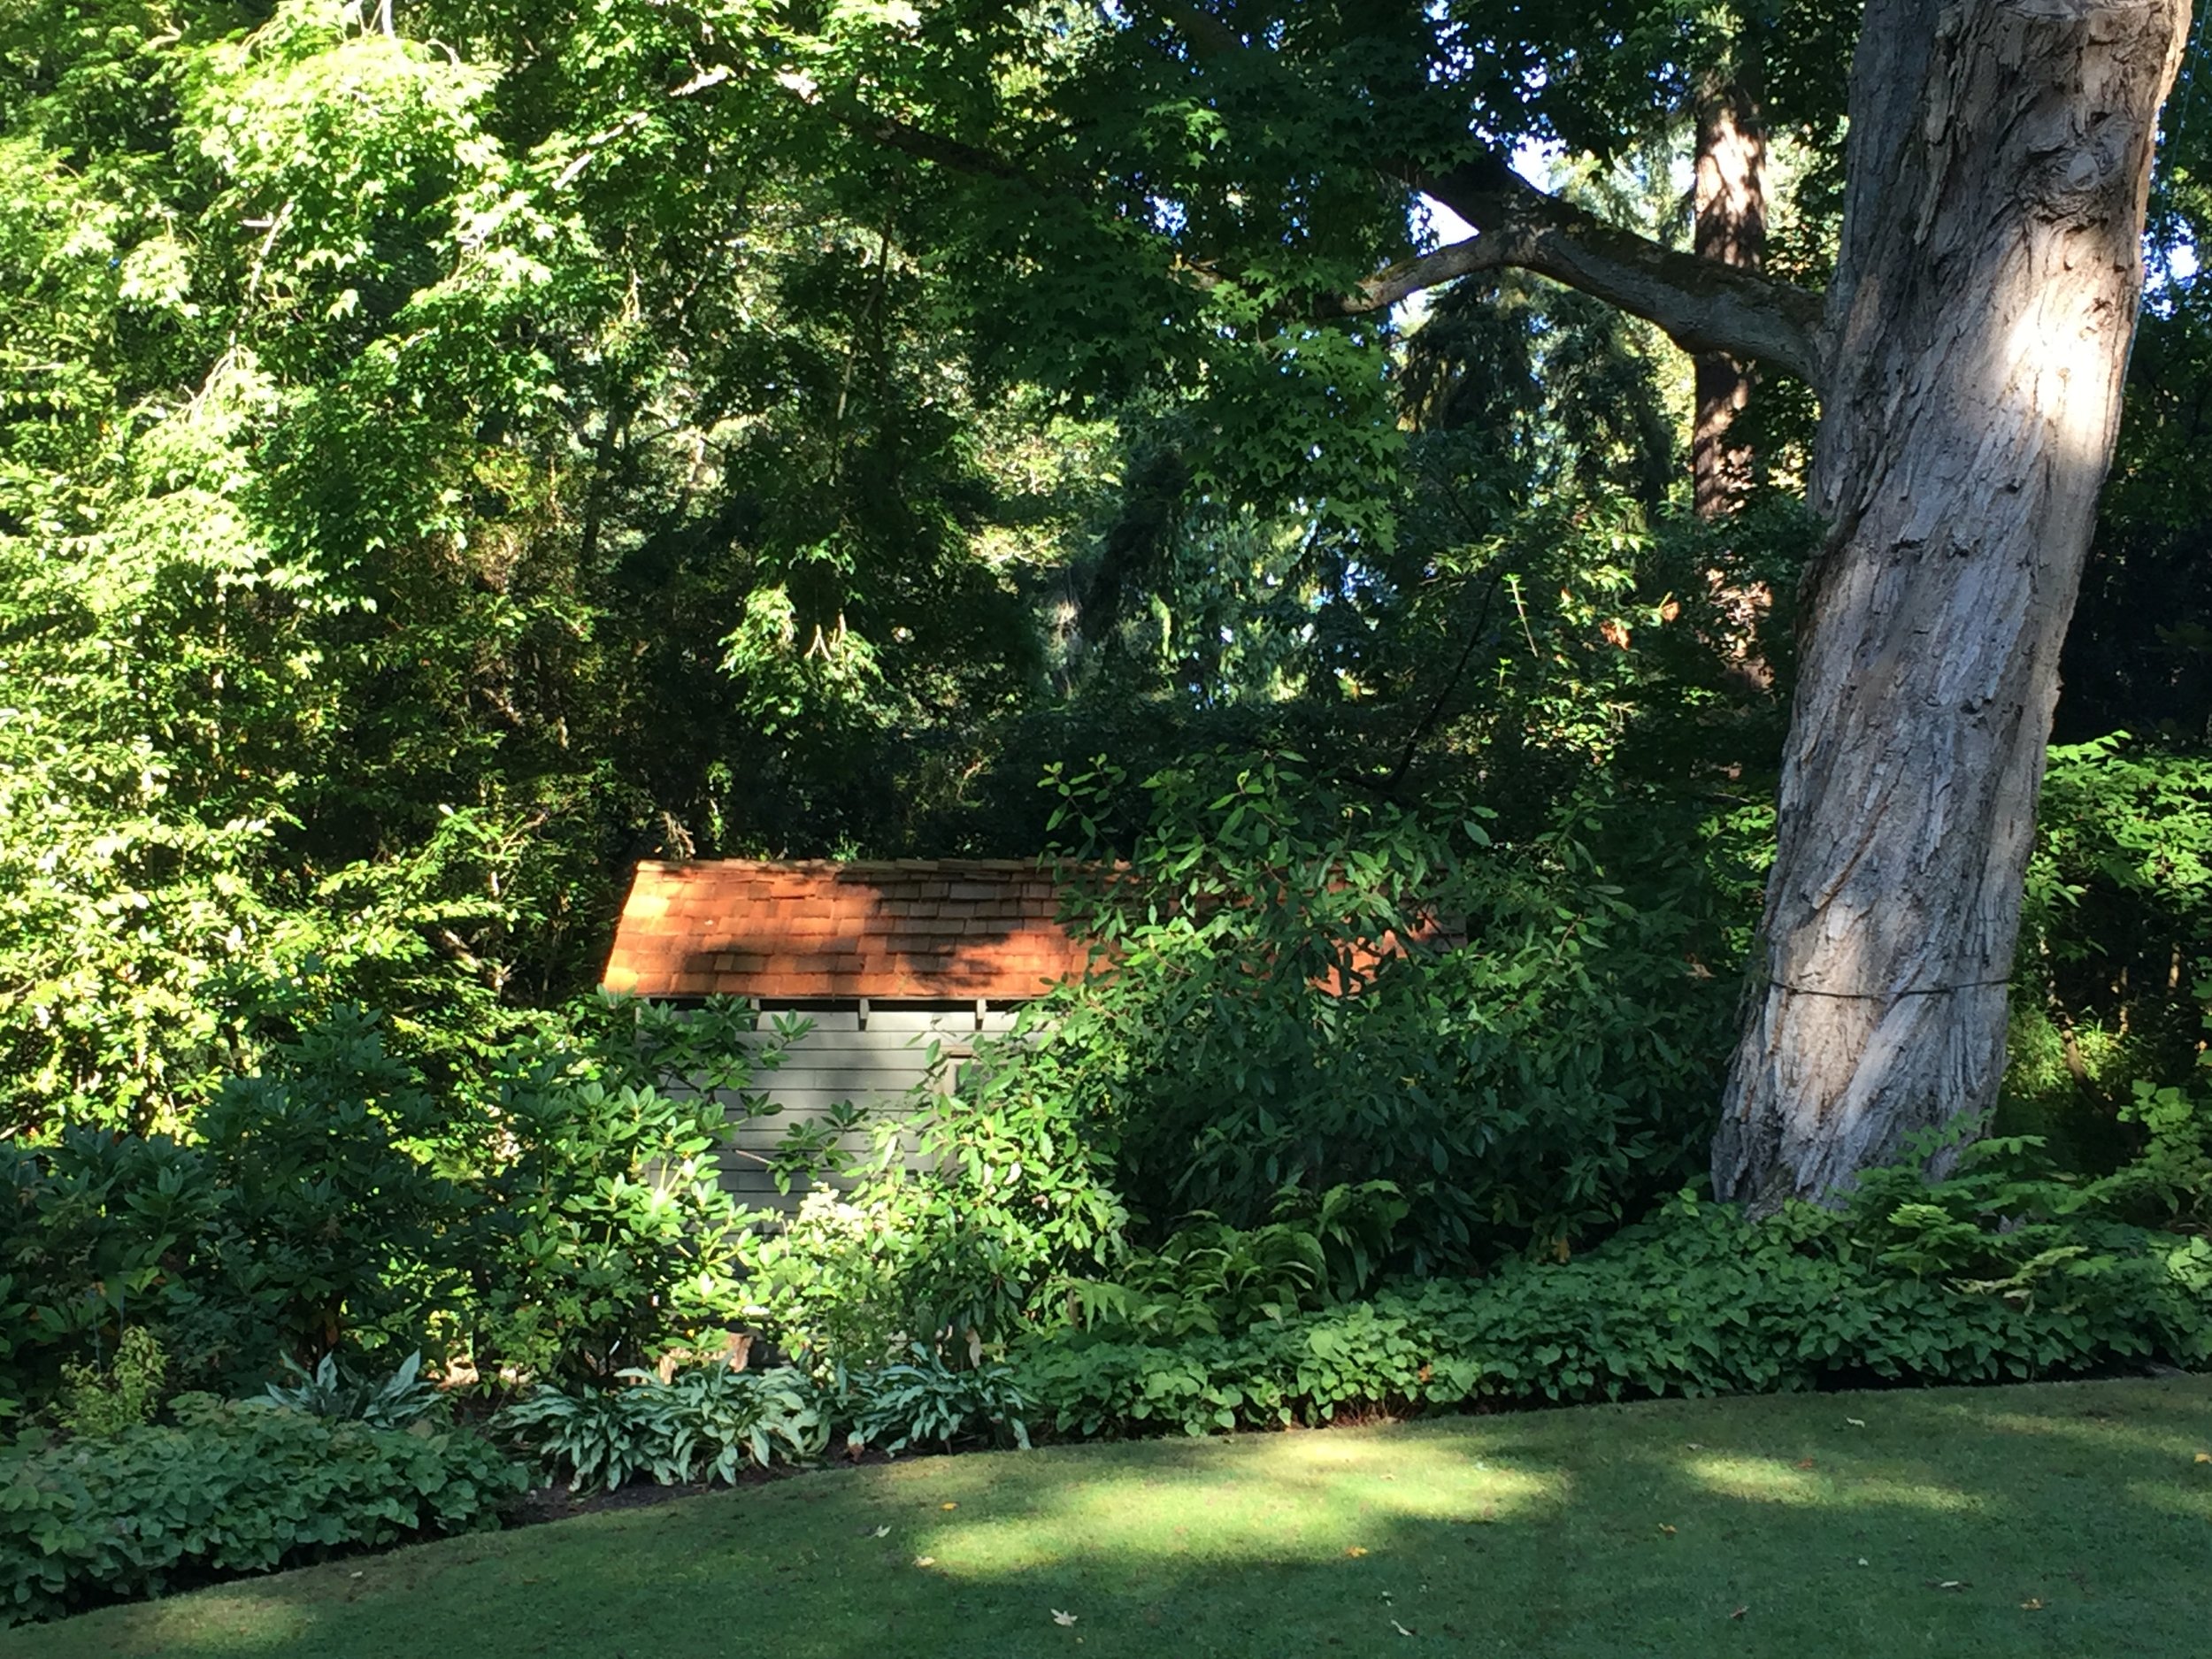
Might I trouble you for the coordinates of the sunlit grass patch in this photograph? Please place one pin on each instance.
(1775, 1480)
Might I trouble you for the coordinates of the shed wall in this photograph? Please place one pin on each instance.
(872, 1065)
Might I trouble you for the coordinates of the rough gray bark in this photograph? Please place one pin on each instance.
(1976, 334)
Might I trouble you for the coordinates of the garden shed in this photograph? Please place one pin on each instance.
(888, 959)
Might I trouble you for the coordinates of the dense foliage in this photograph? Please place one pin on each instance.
(567, 1219)
(1309, 989)
(229, 1489)
(425, 482)
(1991, 1277)
(2115, 963)
(442, 459)
(448, 453)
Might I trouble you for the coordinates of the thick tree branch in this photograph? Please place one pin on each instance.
(1408, 277)
(894, 134)
(1703, 305)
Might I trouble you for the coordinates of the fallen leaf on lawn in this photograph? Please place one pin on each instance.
(1804, 1463)
(924, 1561)
(1856, 1423)
(1739, 1612)
(1058, 1617)
(2034, 1604)
(2204, 1457)
(1694, 1446)
(1400, 1629)
(1355, 1550)
(1950, 1584)
(1665, 1528)
(1862, 1561)
(947, 1506)
(883, 1532)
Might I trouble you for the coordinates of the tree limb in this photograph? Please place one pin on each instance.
(1702, 305)
(903, 136)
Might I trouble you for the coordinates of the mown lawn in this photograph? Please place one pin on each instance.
(2067, 1518)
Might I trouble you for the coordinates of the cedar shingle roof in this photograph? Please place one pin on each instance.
(952, 928)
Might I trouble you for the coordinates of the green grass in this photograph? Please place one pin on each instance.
(2070, 1518)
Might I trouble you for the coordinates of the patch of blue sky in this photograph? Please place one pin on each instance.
(1436, 225)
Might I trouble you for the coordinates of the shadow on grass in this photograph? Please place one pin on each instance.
(2070, 1518)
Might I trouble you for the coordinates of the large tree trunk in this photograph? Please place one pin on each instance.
(1976, 333)
(1730, 226)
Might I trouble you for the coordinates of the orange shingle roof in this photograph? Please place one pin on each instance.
(920, 929)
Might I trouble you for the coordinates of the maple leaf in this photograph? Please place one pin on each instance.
(1355, 1550)
(1058, 1617)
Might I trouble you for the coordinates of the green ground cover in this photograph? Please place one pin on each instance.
(2063, 1518)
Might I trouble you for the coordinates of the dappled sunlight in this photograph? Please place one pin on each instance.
(1776, 1480)
(2191, 1501)
(2056, 357)
(2102, 1433)
(258, 1616)
(1310, 1497)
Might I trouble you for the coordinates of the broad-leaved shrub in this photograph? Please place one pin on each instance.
(229, 1489)
(566, 1219)
(1302, 986)
(1698, 1301)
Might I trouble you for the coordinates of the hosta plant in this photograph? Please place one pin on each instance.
(331, 1391)
(893, 1407)
(705, 1424)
